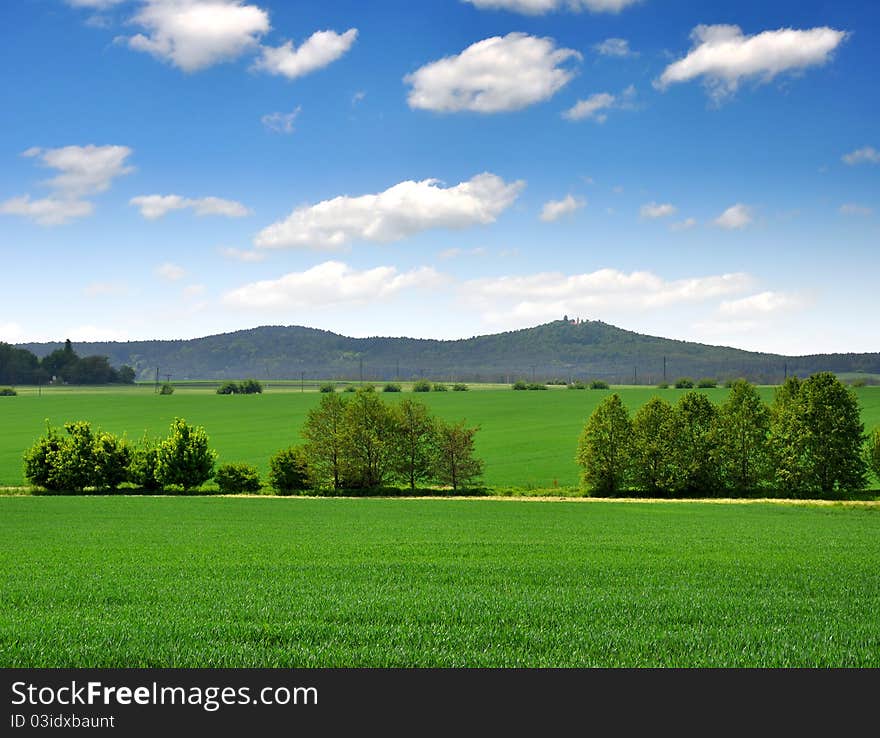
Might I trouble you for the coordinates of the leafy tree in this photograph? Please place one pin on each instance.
(19, 366)
(166, 389)
(228, 388)
(324, 433)
(63, 463)
(250, 387)
(289, 470)
(142, 465)
(112, 459)
(367, 441)
(460, 387)
(237, 478)
(125, 375)
(598, 384)
(40, 460)
(391, 387)
(694, 445)
(520, 385)
(440, 387)
(604, 450)
(422, 385)
(788, 438)
(184, 458)
(454, 462)
(7, 392)
(872, 453)
(652, 448)
(415, 433)
(742, 428)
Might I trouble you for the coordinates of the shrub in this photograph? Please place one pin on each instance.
(872, 452)
(112, 457)
(350, 388)
(289, 471)
(577, 385)
(184, 458)
(391, 387)
(536, 386)
(455, 464)
(166, 389)
(663, 385)
(250, 387)
(439, 387)
(707, 383)
(7, 392)
(598, 384)
(39, 460)
(237, 478)
(684, 383)
(520, 385)
(142, 465)
(459, 387)
(328, 387)
(227, 388)
(604, 448)
(422, 385)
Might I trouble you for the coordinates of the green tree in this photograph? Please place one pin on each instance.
(237, 479)
(324, 434)
(652, 448)
(694, 446)
(788, 439)
(367, 441)
(142, 465)
(184, 458)
(289, 470)
(112, 459)
(415, 434)
(742, 427)
(872, 453)
(604, 450)
(454, 462)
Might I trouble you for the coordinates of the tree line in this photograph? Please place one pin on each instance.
(809, 442)
(20, 366)
(360, 444)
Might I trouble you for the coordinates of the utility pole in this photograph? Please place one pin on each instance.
(302, 381)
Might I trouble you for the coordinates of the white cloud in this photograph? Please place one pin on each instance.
(618, 47)
(735, 217)
(329, 284)
(864, 155)
(319, 50)
(852, 208)
(494, 75)
(196, 34)
(358, 97)
(171, 272)
(656, 210)
(762, 303)
(400, 211)
(243, 254)
(454, 253)
(83, 170)
(11, 332)
(592, 107)
(49, 211)
(684, 225)
(153, 207)
(555, 209)
(281, 122)
(723, 56)
(540, 7)
(106, 289)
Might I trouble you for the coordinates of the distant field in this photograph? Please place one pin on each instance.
(225, 582)
(528, 439)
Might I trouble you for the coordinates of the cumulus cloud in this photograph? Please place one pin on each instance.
(593, 106)
(494, 75)
(763, 303)
(281, 122)
(723, 56)
(400, 211)
(864, 155)
(153, 207)
(196, 34)
(852, 208)
(655, 210)
(555, 209)
(735, 217)
(245, 255)
(328, 284)
(170, 272)
(618, 47)
(540, 7)
(83, 170)
(319, 50)
(48, 211)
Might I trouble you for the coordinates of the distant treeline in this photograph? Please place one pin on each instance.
(20, 366)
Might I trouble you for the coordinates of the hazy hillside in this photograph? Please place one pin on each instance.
(559, 349)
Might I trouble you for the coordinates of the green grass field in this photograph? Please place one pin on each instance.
(232, 582)
(528, 439)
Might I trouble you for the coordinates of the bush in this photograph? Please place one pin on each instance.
(112, 457)
(423, 385)
(663, 385)
(142, 465)
(459, 387)
(250, 387)
(184, 458)
(7, 392)
(237, 478)
(684, 383)
(440, 387)
(872, 452)
(577, 385)
(707, 383)
(166, 389)
(520, 385)
(39, 460)
(289, 471)
(328, 387)
(536, 386)
(227, 388)
(598, 384)
(391, 387)
(604, 448)
(350, 388)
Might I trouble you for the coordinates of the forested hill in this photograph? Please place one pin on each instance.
(557, 350)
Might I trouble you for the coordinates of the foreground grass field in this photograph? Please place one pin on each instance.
(528, 439)
(225, 582)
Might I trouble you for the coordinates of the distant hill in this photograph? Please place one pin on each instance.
(557, 350)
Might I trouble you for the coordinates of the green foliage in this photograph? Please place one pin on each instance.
(324, 434)
(652, 448)
(707, 383)
(126, 375)
(367, 441)
(598, 384)
(520, 385)
(535, 386)
(415, 434)
(166, 389)
(19, 366)
(41, 458)
(422, 385)
(604, 450)
(350, 388)
(237, 478)
(695, 472)
(250, 387)
(391, 387)
(142, 465)
(227, 388)
(459, 387)
(684, 383)
(183, 458)
(454, 462)
(328, 387)
(742, 430)
(663, 385)
(872, 453)
(439, 387)
(7, 392)
(577, 385)
(289, 471)
(112, 457)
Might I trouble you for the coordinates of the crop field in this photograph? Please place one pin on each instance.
(527, 439)
(294, 582)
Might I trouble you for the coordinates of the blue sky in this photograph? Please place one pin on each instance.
(706, 171)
